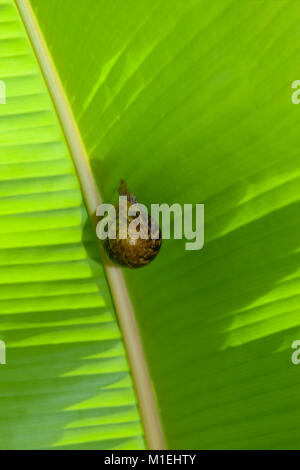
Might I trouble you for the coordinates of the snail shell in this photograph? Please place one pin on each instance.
(133, 252)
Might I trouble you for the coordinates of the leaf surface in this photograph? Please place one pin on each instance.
(190, 102)
(66, 384)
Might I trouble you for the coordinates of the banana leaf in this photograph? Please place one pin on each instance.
(66, 382)
(189, 102)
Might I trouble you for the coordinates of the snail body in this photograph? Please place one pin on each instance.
(132, 251)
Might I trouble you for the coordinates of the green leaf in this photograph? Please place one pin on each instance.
(66, 383)
(190, 102)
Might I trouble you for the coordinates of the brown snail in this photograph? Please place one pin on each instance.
(133, 251)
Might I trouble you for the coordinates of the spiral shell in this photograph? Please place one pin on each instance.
(133, 252)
